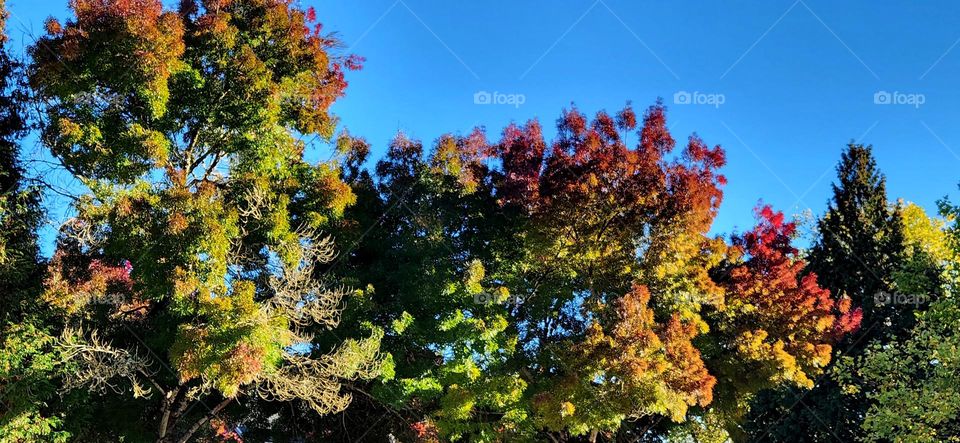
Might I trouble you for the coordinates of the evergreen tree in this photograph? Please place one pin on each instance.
(858, 255)
(913, 385)
(19, 204)
(27, 360)
(861, 245)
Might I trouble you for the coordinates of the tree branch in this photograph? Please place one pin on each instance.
(213, 413)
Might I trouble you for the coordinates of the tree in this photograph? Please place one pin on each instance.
(859, 254)
(568, 291)
(861, 243)
(911, 383)
(780, 322)
(191, 273)
(20, 213)
(926, 253)
(27, 358)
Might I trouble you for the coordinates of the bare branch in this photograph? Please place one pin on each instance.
(98, 364)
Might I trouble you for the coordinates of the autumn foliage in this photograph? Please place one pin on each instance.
(602, 298)
(784, 322)
(214, 284)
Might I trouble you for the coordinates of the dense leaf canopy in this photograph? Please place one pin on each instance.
(213, 285)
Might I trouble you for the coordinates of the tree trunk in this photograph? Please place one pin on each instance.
(168, 402)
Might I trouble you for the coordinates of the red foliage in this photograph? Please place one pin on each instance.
(75, 280)
(425, 431)
(223, 433)
(354, 62)
(521, 152)
(112, 278)
(590, 169)
(770, 241)
(93, 10)
(655, 138)
(786, 307)
(627, 119)
(849, 320)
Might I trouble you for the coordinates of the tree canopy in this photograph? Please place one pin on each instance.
(214, 285)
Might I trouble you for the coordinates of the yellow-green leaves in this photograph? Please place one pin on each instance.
(189, 127)
(235, 344)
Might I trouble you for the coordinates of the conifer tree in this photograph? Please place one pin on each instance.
(859, 255)
(27, 359)
(861, 245)
(19, 203)
(913, 385)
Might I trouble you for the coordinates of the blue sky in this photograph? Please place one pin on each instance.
(798, 80)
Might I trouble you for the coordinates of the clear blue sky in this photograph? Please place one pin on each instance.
(798, 79)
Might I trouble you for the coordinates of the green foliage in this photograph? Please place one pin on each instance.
(912, 385)
(28, 369)
(192, 271)
(866, 250)
(530, 293)
(521, 289)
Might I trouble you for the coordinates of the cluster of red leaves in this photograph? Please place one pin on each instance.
(74, 281)
(521, 151)
(425, 431)
(107, 278)
(224, 433)
(787, 310)
(590, 161)
(156, 35)
(88, 11)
